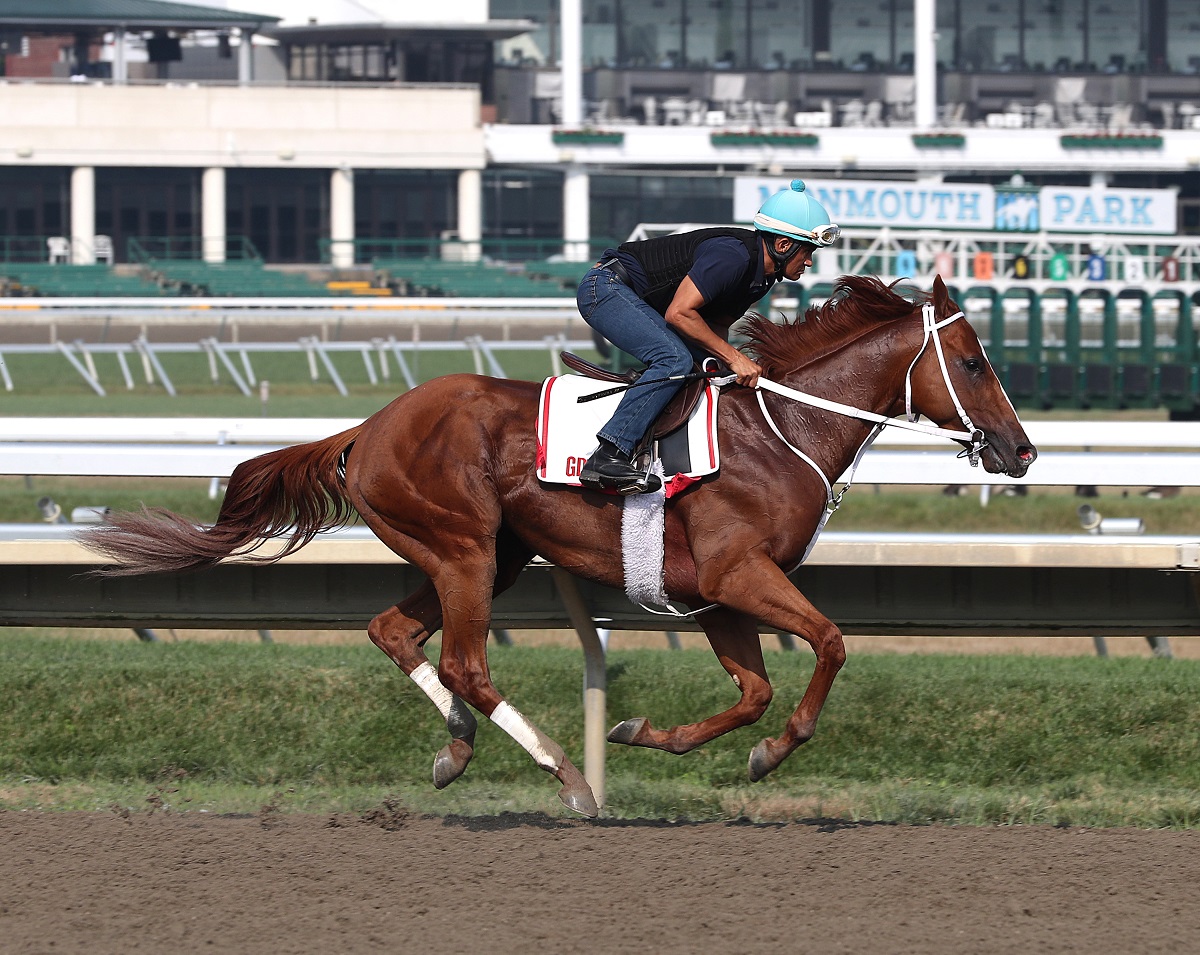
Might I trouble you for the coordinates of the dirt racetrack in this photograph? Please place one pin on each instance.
(387, 882)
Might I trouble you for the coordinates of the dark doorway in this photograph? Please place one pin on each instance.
(158, 207)
(403, 212)
(284, 212)
(33, 205)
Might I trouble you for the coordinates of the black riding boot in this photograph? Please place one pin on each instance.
(609, 468)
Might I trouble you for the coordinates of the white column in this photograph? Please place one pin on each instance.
(246, 57)
(212, 214)
(120, 70)
(83, 215)
(577, 226)
(341, 217)
(925, 62)
(470, 214)
(571, 18)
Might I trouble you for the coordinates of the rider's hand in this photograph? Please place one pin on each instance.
(746, 369)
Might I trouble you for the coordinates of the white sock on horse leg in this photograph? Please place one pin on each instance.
(545, 752)
(426, 677)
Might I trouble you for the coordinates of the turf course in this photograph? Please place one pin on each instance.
(974, 740)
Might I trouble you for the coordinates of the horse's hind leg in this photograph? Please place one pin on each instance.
(463, 669)
(400, 632)
(734, 639)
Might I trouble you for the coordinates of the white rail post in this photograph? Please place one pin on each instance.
(595, 682)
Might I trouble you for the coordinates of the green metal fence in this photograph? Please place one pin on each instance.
(147, 250)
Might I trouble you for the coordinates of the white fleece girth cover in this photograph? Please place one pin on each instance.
(566, 432)
(642, 527)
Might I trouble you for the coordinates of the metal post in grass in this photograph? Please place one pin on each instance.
(595, 681)
(151, 361)
(93, 383)
(125, 373)
(405, 372)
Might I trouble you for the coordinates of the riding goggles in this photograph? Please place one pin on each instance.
(821, 236)
(826, 234)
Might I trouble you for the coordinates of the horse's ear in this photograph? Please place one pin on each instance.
(940, 294)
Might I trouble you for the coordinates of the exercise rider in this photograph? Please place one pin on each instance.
(671, 300)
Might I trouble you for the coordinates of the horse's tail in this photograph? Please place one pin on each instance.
(293, 494)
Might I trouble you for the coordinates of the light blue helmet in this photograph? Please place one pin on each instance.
(792, 212)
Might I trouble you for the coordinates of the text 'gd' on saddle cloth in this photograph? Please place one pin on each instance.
(566, 432)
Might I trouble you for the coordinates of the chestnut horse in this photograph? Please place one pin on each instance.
(445, 477)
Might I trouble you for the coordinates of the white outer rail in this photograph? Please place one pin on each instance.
(213, 447)
(1145, 435)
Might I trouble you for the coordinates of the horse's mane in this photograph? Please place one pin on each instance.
(857, 303)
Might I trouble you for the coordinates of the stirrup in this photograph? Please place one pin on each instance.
(638, 481)
(641, 483)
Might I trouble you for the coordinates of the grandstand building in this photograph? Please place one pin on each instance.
(337, 132)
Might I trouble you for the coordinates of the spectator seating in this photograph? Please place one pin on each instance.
(52, 279)
(435, 277)
(233, 278)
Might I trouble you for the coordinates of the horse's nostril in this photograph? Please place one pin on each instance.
(1025, 454)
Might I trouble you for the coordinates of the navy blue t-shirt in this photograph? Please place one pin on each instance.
(717, 268)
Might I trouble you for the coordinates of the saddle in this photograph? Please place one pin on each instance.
(673, 416)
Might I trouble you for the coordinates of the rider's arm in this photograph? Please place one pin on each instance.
(683, 316)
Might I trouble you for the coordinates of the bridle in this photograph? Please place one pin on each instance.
(931, 327)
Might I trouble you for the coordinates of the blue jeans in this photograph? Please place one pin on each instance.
(612, 308)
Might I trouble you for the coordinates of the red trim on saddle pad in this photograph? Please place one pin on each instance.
(680, 482)
(712, 427)
(545, 436)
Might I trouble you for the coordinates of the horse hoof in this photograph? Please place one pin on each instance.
(578, 798)
(451, 762)
(762, 761)
(627, 731)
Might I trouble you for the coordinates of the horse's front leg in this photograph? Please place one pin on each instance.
(759, 589)
(734, 639)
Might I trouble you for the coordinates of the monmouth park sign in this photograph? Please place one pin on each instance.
(865, 203)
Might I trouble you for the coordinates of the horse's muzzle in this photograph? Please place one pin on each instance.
(1014, 464)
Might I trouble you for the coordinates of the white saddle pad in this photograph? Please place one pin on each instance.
(566, 432)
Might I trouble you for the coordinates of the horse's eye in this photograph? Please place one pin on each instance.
(973, 365)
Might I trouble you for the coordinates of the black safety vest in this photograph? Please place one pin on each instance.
(667, 259)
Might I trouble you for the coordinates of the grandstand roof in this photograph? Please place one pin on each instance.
(71, 15)
(377, 32)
